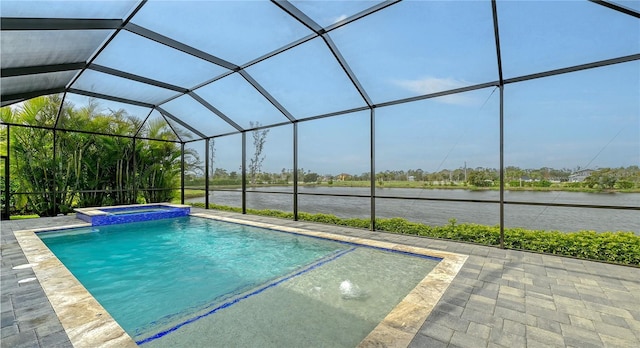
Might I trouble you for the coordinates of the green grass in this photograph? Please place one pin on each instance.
(23, 217)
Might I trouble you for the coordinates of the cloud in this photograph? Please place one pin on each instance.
(340, 18)
(429, 85)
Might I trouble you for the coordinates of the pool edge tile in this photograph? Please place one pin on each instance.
(411, 313)
(386, 336)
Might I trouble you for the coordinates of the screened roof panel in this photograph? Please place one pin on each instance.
(92, 108)
(30, 83)
(182, 132)
(103, 105)
(307, 80)
(633, 4)
(405, 49)
(38, 112)
(237, 99)
(111, 85)
(197, 116)
(420, 47)
(538, 36)
(237, 31)
(140, 56)
(328, 12)
(67, 9)
(156, 127)
(47, 47)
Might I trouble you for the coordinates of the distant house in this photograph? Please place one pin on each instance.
(411, 178)
(580, 175)
(343, 177)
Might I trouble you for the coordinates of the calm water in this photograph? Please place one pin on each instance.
(155, 276)
(439, 213)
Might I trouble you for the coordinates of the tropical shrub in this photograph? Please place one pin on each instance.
(89, 169)
(624, 184)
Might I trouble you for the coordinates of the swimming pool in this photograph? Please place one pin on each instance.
(307, 306)
(139, 272)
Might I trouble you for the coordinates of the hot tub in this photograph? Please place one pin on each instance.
(101, 216)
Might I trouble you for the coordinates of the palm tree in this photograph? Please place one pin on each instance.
(32, 164)
(88, 169)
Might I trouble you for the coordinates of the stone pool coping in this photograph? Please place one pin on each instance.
(88, 324)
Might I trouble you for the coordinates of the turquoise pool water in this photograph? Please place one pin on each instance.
(191, 281)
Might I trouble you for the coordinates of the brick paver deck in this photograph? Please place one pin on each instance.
(500, 298)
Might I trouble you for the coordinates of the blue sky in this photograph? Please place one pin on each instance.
(587, 118)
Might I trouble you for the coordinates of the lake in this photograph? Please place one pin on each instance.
(439, 212)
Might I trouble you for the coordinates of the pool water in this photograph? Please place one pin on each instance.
(198, 282)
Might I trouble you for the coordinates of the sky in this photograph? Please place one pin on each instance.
(589, 118)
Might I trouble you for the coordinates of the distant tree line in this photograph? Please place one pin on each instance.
(603, 178)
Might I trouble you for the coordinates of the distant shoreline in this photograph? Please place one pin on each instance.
(197, 191)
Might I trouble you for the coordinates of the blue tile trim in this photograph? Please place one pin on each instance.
(111, 219)
(236, 300)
